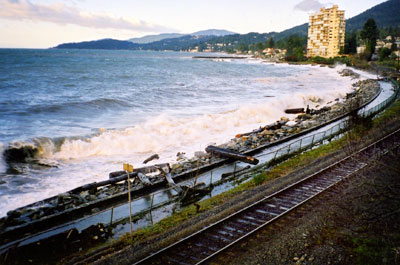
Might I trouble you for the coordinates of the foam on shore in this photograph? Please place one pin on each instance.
(86, 159)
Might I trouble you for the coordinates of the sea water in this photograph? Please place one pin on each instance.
(89, 111)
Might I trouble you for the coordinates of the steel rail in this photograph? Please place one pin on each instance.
(321, 175)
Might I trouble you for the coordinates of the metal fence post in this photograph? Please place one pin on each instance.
(276, 152)
(152, 201)
(151, 208)
(112, 215)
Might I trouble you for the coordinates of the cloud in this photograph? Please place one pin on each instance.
(62, 14)
(310, 5)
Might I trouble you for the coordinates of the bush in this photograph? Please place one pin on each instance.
(259, 179)
(343, 60)
(322, 60)
(384, 54)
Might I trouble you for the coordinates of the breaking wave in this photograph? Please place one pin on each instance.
(162, 134)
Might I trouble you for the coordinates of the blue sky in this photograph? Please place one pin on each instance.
(46, 23)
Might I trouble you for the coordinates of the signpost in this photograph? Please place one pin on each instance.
(129, 169)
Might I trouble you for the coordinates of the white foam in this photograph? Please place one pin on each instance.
(86, 160)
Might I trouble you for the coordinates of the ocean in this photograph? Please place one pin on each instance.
(86, 112)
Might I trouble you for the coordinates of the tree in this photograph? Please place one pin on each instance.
(202, 46)
(271, 43)
(350, 46)
(295, 42)
(370, 34)
(259, 46)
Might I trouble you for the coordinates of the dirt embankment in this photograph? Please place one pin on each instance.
(357, 224)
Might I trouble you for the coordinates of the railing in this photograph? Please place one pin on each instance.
(159, 201)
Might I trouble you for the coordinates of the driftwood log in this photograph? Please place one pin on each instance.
(143, 170)
(95, 185)
(294, 111)
(168, 177)
(230, 154)
(155, 156)
(274, 126)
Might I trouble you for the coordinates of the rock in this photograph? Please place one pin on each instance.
(181, 156)
(95, 210)
(35, 216)
(315, 99)
(291, 123)
(84, 193)
(200, 154)
(254, 138)
(19, 153)
(267, 132)
(349, 72)
(284, 119)
(304, 117)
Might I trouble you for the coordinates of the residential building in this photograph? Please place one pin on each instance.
(326, 32)
(361, 49)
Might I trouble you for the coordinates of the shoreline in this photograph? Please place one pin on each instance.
(75, 155)
(181, 225)
(236, 144)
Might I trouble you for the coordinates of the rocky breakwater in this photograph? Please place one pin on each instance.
(363, 92)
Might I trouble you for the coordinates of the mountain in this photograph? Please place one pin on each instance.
(104, 44)
(301, 30)
(174, 44)
(213, 32)
(165, 41)
(163, 36)
(386, 14)
(153, 38)
(249, 38)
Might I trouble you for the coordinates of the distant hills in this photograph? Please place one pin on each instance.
(173, 44)
(153, 38)
(163, 36)
(104, 44)
(213, 32)
(386, 15)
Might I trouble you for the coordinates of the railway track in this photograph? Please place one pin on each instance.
(202, 246)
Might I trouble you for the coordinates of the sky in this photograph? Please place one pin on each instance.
(47, 23)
